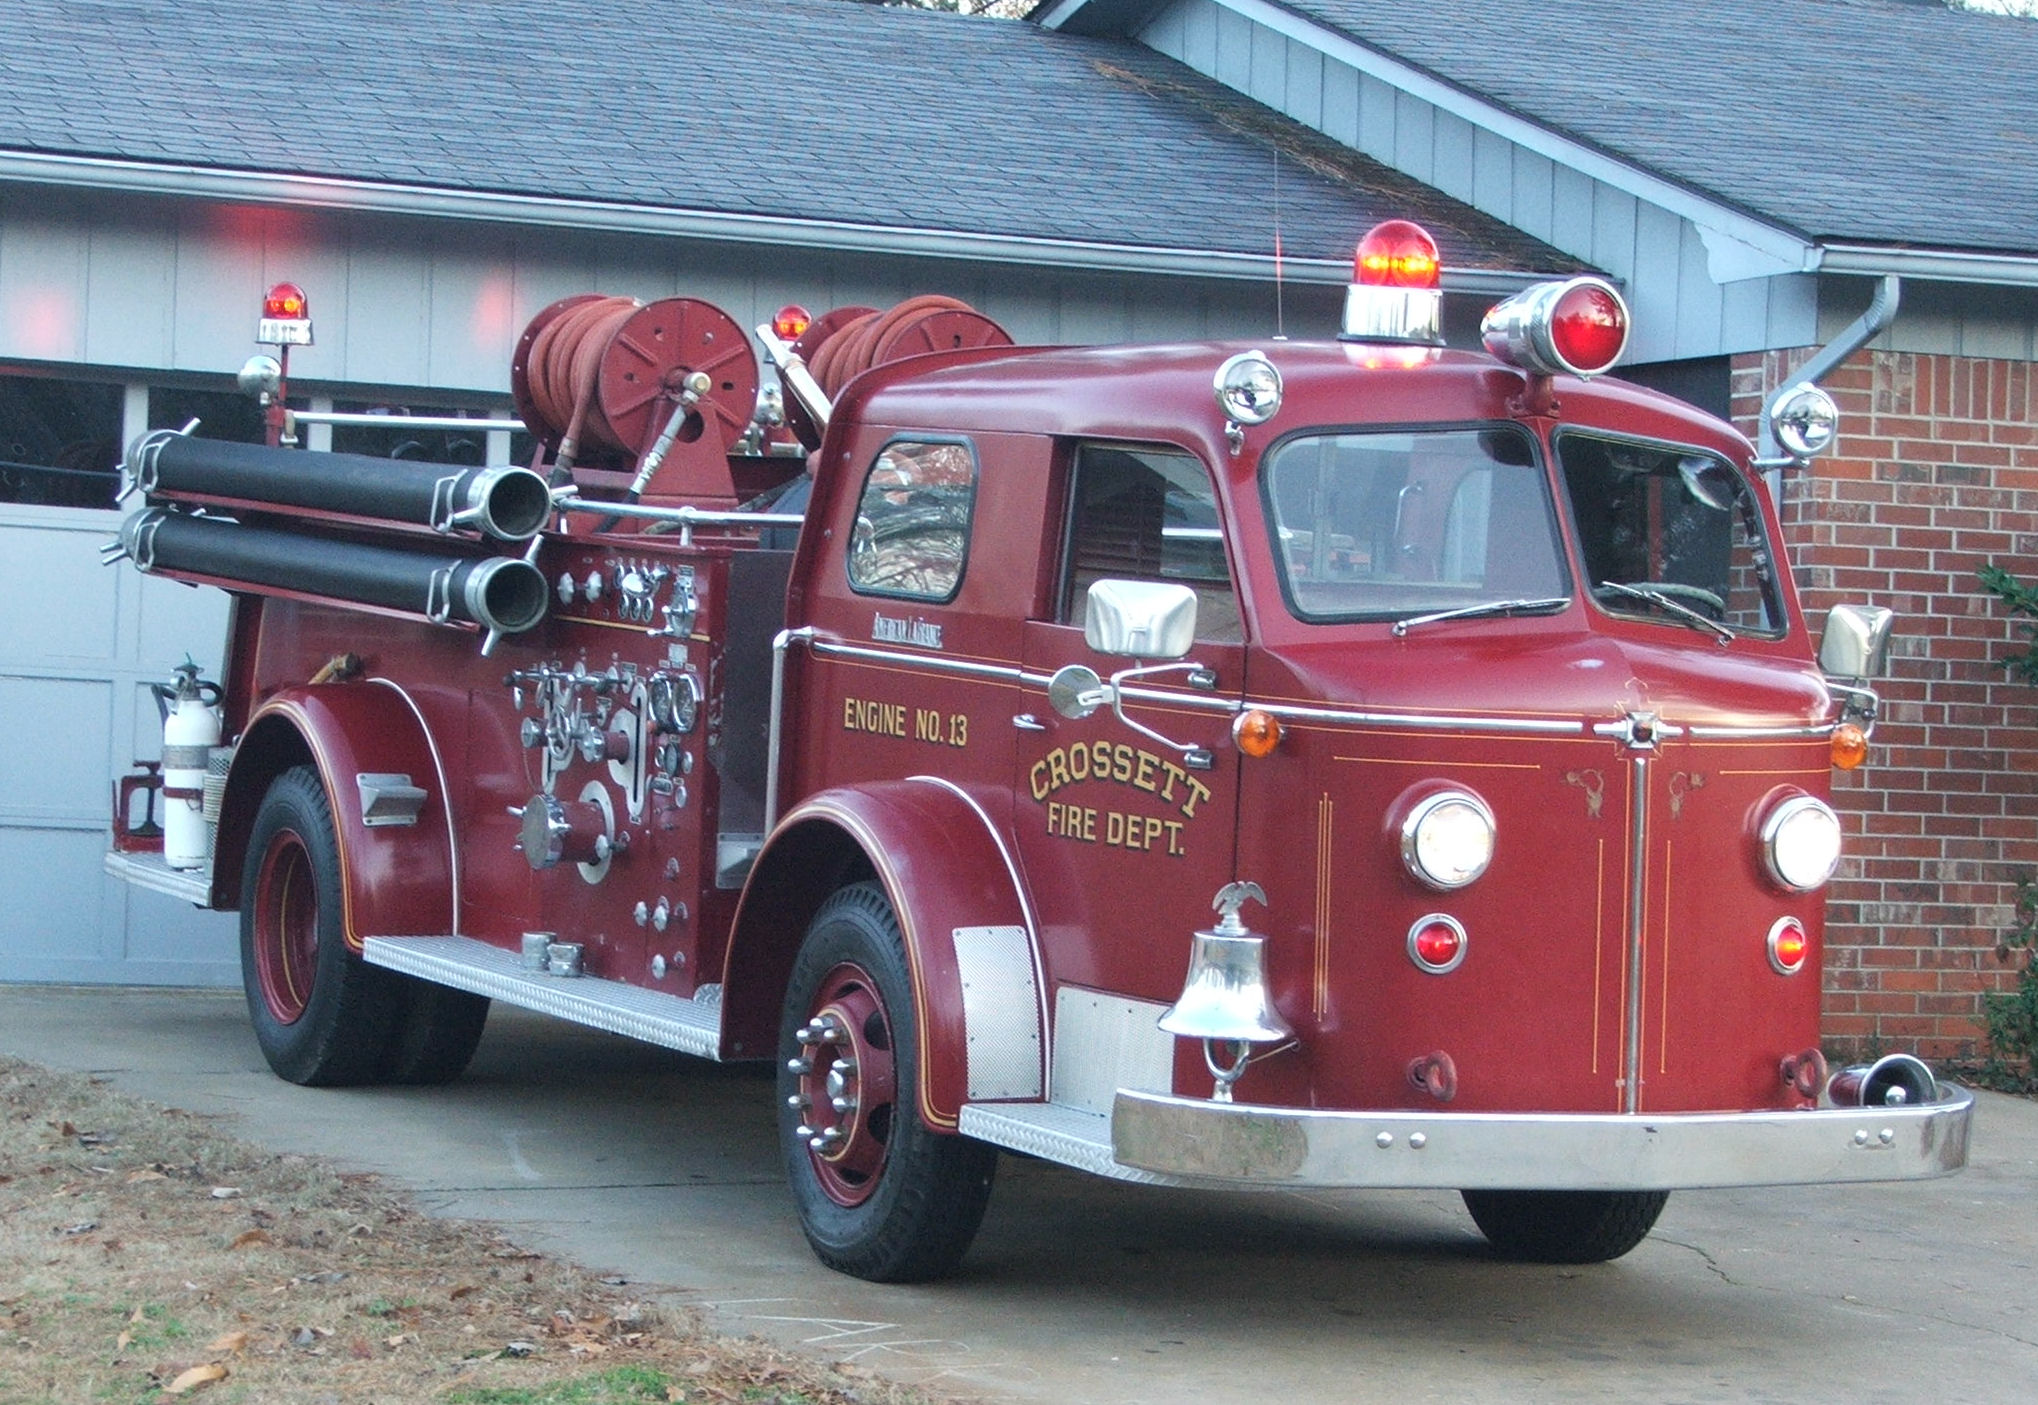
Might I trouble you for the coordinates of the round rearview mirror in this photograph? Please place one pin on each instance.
(260, 375)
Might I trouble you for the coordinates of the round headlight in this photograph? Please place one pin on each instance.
(1447, 839)
(1801, 843)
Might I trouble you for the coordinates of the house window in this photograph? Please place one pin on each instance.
(221, 414)
(59, 441)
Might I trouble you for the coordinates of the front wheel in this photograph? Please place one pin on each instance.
(1564, 1226)
(881, 1195)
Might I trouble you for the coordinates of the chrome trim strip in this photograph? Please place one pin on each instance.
(1808, 732)
(1010, 673)
(1239, 1144)
(147, 870)
(784, 640)
(1526, 725)
(692, 1027)
(1638, 912)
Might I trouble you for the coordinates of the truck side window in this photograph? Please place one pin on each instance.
(1148, 514)
(1673, 521)
(913, 521)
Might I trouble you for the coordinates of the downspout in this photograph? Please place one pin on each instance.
(1862, 330)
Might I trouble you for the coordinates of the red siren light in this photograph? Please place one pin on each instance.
(1576, 327)
(286, 302)
(1397, 254)
(1589, 327)
(790, 322)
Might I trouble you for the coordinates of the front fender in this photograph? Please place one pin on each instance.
(398, 879)
(968, 929)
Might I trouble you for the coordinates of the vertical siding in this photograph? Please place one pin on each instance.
(1680, 310)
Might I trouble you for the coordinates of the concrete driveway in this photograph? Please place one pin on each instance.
(1083, 1292)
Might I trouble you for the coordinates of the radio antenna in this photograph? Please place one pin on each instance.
(1280, 321)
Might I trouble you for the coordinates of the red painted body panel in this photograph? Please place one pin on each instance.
(1111, 861)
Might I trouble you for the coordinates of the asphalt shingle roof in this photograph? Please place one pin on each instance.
(819, 109)
(1883, 121)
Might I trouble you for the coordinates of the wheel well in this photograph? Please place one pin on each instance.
(804, 865)
(271, 747)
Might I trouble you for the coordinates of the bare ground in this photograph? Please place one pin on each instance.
(144, 1256)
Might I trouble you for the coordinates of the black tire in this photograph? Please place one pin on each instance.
(322, 1016)
(436, 1033)
(1564, 1226)
(887, 1198)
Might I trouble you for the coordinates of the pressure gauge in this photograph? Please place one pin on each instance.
(675, 701)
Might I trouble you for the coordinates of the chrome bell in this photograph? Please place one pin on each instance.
(1224, 997)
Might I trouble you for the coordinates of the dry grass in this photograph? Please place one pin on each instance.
(146, 1257)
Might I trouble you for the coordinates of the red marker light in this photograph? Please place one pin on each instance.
(1397, 254)
(1589, 327)
(1788, 946)
(790, 322)
(1436, 943)
(286, 302)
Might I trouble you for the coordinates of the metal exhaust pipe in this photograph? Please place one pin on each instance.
(508, 503)
(501, 594)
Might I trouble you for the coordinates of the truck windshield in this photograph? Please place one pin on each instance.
(1671, 535)
(1397, 524)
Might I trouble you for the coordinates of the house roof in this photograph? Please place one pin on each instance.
(801, 120)
(1869, 121)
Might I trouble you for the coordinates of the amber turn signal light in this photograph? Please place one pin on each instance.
(1850, 746)
(1257, 733)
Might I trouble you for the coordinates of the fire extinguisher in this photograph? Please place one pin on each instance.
(190, 732)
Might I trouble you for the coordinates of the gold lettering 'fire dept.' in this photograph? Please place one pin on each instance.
(1116, 763)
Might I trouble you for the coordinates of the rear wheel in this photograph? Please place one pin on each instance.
(880, 1194)
(1565, 1226)
(322, 1016)
(436, 1034)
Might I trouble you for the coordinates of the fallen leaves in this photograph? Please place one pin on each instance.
(196, 1377)
(248, 1237)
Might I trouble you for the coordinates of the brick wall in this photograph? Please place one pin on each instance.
(1935, 474)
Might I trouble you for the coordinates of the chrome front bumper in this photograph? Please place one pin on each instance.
(1239, 1144)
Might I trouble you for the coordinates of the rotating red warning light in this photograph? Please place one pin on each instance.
(1397, 254)
(286, 317)
(1396, 292)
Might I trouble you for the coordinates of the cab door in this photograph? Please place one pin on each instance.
(1126, 827)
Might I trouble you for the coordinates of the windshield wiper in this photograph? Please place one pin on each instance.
(1491, 607)
(1675, 608)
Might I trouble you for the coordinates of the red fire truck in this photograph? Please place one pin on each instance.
(1342, 763)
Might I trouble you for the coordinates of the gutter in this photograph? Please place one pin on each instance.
(606, 216)
(1935, 265)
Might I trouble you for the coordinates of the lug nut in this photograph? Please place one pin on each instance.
(800, 1066)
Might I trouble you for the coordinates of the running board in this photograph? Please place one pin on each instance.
(147, 870)
(1073, 1136)
(690, 1026)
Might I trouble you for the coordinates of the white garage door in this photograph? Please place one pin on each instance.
(79, 645)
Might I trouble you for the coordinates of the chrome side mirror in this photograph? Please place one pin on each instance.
(1855, 643)
(1140, 619)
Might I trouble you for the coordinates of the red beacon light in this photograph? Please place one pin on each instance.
(1396, 293)
(1576, 327)
(286, 317)
(790, 322)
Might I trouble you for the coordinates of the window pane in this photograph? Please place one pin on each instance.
(1673, 521)
(467, 448)
(1390, 525)
(221, 414)
(912, 524)
(1149, 514)
(59, 441)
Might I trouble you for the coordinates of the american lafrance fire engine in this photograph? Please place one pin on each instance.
(1354, 763)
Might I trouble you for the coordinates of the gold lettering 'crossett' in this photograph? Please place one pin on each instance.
(1118, 764)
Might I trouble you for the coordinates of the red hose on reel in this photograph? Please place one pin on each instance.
(617, 388)
(843, 344)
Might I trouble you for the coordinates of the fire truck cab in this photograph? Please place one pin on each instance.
(1349, 763)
